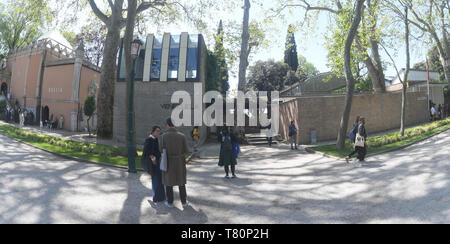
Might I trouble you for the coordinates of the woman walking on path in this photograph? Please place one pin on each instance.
(227, 155)
(352, 136)
(362, 151)
(151, 150)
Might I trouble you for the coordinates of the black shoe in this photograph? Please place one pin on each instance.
(234, 176)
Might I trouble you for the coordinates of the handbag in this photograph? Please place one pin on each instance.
(163, 165)
(359, 140)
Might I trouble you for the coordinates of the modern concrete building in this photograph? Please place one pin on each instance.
(52, 80)
(166, 64)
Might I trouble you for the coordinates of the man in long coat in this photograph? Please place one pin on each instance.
(176, 147)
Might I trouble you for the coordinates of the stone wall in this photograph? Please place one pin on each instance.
(323, 114)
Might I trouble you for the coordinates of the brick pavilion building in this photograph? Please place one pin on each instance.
(51, 80)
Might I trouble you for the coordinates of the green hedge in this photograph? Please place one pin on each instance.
(409, 133)
(92, 148)
(389, 141)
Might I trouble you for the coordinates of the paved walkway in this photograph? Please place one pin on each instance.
(408, 186)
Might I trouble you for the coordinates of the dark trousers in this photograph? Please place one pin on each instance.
(269, 140)
(361, 152)
(227, 170)
(352, 153)
(169, 193)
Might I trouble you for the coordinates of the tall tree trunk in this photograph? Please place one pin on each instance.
(405, 81)
(108, 75)
(243, 64)
(349, 76)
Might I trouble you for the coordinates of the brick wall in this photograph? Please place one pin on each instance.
(323, 114)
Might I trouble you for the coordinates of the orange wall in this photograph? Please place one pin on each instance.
(58, 83)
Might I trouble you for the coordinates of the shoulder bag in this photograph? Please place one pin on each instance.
(163, 165)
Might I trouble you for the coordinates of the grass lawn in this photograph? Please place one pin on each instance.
(398, 141)
(10, 131)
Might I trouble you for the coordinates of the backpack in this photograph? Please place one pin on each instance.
(352, 133)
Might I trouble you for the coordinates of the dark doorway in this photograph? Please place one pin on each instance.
(46, 114)
(4, 89)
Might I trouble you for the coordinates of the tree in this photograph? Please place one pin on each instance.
(367, 39)
(431, 18)
(159, 10)
(243, 58)
(212, 72)
(93, 37)
(307, 68)
(220, 55)
(290, 52)
(22, 21)
(340, 144)
(267, 76)
(89, 109)
(404, 80)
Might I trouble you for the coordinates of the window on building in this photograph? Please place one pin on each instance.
(139, 68)
(156, 59)
(174, 56)
(192, 57)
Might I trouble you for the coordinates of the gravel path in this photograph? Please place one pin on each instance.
(407, 186)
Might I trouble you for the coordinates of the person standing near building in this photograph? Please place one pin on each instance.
(293, 135)
(352, 137)
(433, 112)
(440, 112)
(176, 147)
(361, 149)
(269, 135)
(227, 155)
(151, 151)
(196, 138)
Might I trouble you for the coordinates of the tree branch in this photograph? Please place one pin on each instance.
(146, 5)
(98, 12)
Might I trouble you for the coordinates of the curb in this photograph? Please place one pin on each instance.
(72, 157)
(309, 150)
(378, 153)
(82, 159)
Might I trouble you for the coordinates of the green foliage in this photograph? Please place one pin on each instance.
(290, 52)
(212, 70)
(2, 109)
(390, 141)
(267, 76)
(89, 106)
(220, 55)
(22, 21)
(306, 68)
(233, 38)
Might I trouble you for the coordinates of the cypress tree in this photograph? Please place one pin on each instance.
(220, 54)
(290, 53)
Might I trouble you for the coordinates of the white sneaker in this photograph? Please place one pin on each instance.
(185, 204)
(168, 204)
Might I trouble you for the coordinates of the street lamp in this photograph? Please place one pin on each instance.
(135, 50)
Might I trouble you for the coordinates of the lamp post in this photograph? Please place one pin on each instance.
(135, 50)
